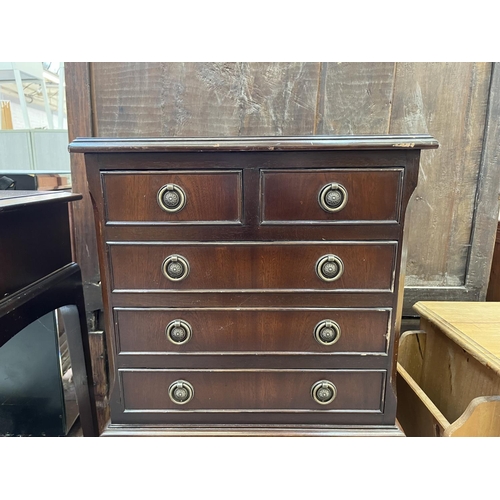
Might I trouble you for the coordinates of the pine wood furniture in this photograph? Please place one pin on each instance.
(252, 285)
(38, 275)
(449, 372)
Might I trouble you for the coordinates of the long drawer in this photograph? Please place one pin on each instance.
(252, 390)
(242, 266)
(226, 330)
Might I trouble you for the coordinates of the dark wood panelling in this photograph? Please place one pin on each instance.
(246, 267)
(248, 389)
(210, 196)
(306, 298)
(77, 76)
(293, 196)
(238, 330)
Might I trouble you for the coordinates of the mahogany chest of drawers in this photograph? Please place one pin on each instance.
(252, 285)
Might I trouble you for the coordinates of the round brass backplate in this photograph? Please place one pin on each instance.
(329, 267)
(175, 268)
(323, 392)
(332, 197)
(327, 332)
(171, 198)
(181, 392)
(178, 331)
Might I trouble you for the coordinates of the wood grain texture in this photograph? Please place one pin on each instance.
(411, 352)
(481, 419)
(204, 99)
(447, 100)
(472, 326)
(239, 330)
(357, 98)
(439, 378)
(451, 377)
(252, 267)
(210, 196)
(100, 376)
(79, 109)
(252, 390)
(417, 414)
(372, 195)
(488, 186)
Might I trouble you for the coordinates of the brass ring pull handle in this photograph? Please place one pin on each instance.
(323, 392)
(332, 197)
(171, 198)
(329, 268)
(181, 392)
(327, 332)
(175, 267)
(178, 331)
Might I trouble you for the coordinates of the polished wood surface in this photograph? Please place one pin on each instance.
(252, 295)
(210, 196)
(262, 330)
(252, 390)
(242, 266)
(373, 195)
(317, 143)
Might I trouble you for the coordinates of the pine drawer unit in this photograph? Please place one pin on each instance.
(252, 285)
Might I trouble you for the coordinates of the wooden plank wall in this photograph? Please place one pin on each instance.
(447, 100)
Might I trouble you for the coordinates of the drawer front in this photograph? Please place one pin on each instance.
(210, 197)
(248, 331)
(221, 267)
(372, 195)
(252, 390)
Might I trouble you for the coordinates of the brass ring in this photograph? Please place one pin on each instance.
(178, 195)
(333, 186)
(178, 323)
(181, 392)
(330, 258)
(183, 264)
(323, 392)
(327, 323)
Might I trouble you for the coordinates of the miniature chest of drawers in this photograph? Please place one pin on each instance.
(252, 285)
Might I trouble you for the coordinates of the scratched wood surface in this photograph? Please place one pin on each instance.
(205, 99)
(448, 100)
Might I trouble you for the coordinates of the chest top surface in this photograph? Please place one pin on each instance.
(318, 143)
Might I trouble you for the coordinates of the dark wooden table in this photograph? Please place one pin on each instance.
(38, 275)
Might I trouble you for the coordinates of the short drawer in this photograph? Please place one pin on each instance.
(331, 196)
(170, 197)
(242, 266)
(225, 330)
(251, 390)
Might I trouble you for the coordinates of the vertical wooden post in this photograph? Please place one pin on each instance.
(79, 110)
